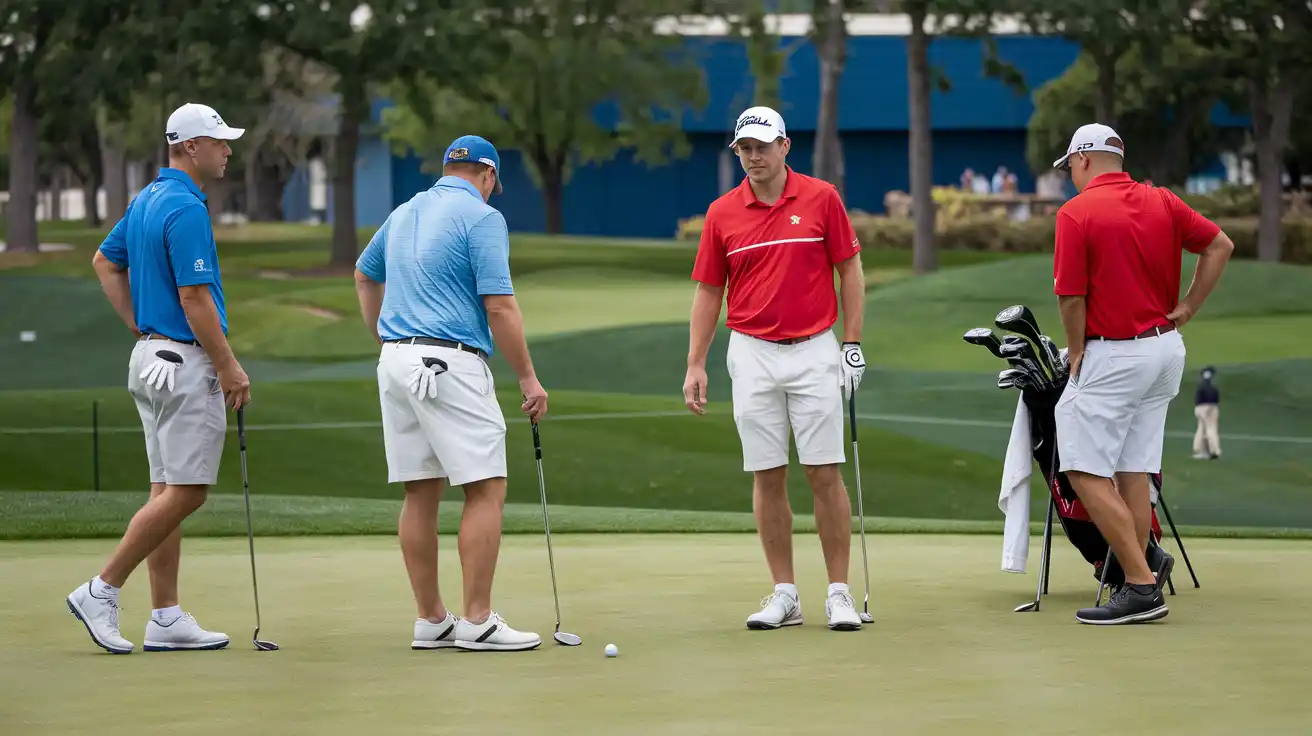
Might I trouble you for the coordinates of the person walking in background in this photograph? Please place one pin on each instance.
(1207, 409)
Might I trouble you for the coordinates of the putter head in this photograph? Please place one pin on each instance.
(264, 646)
(867, 618)
(568, 640)
(1026, 607)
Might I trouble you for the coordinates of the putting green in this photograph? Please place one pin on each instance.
(946, 653)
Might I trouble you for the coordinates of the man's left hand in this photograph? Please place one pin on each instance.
(853, 366)
(1181, 315)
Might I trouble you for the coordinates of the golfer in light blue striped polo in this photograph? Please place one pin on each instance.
(435, 289)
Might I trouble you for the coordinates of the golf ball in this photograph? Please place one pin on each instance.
(612, 650)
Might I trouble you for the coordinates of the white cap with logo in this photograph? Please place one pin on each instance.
(1089, 138)
(194, 120)
(761, 123)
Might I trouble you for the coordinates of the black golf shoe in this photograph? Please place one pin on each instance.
(1131, 604)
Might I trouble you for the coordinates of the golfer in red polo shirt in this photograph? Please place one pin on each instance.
(775, 240)
(1117, 266)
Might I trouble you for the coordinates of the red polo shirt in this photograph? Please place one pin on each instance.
(1119, 245)
(777, 260)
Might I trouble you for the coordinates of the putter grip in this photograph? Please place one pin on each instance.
(537, 443)
(851, 413)
(241, 428)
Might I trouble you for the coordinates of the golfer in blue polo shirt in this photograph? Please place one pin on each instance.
(159, 267)
(434, 287)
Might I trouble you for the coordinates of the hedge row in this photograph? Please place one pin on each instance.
(1035, 235)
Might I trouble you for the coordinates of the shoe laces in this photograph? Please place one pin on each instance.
(777, 595)
(841, 598)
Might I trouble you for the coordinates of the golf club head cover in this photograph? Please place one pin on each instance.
(163, 370)
(423, 379)
(853, 367)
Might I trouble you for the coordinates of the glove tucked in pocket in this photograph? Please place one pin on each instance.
(423, 379)
(163, 370)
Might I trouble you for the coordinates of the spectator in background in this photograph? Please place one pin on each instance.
(1207, 409)
(999, 180)
(1011, 185)
(967, 179)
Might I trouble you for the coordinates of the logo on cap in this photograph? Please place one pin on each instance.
(458, 153)
(173, 137)
(751, 120)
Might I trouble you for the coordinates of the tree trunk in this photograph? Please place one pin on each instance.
(268, 182)
(764, 58)
(354, 109)
(924, 255)
(21, 234)
(1105, 104)
(553, 196)
(56, 194)
(114, 160)
(89, 208)
(833, 56)
(90, 152)
(1272, 112)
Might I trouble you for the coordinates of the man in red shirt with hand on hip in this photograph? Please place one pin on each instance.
(775, 240)
(1117, 268)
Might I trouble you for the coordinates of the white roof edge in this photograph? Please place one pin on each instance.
(799, 24)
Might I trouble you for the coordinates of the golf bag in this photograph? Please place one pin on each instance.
(1072, 516)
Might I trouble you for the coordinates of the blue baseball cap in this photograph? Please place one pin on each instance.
(476, 149)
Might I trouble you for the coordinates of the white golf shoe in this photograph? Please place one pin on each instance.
(181, 634)
(100, 616)
(842, 611)
(777, 609)
(493, 635)
(429, 635)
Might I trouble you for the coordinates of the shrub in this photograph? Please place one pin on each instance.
(1230, 200)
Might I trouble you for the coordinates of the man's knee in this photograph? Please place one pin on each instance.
(187, 498)
(824, 478)
(772, 482)
(487, 490)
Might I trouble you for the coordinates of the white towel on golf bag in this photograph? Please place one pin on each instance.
(1014, 498)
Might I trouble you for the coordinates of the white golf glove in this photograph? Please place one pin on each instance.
(853, 366)
(423, 379)
(163, 371)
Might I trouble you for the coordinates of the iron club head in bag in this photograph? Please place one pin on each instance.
(262, 645)
(562, 638)
(1020, 320)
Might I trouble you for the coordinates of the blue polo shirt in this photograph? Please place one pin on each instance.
(439, 254)
(165, 241)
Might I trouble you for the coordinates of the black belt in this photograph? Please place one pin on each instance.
(439, 342)
(155, 336)
(1150, 332)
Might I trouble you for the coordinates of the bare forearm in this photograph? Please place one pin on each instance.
(705, 315)
(203, 317)
(852, 294)
(1211, 264)
(507, 325)
(1072, 320)
(370, 294)
(118, 290)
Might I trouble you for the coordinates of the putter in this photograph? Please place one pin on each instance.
(984, 336)
(1043, 563)
(569, 640)
(1020, 320)
(260, 644)
(865, 614)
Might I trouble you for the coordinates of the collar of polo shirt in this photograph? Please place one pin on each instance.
(1111, 177)
(790, 190)
(180, 175)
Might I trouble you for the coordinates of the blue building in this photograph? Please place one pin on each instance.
(980, 123)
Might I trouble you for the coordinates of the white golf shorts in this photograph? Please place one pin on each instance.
(1113, 419)
(185, 427)
(459, 435)
(781, 387)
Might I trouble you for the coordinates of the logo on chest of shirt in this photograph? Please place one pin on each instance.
(795, 219)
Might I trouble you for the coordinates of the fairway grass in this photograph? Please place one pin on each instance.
(945, 654)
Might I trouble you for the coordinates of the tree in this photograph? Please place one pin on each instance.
(367, 45)
(1265, 43)
(924, 256)
(1166, 99)
(30, 26)
(569, 64)
(830, 38)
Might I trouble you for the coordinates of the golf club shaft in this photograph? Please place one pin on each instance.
(860, 502)
(1167, 512)
(250, 527)
(546, 522)
(1043, 562)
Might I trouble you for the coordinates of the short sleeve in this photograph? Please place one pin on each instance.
(489, 253)
(840, 239)
(1070, 260)
(373, 261)
(1196, 232)
(711, 266)
(189, 239)
(115, 245)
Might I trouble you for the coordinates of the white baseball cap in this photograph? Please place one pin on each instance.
(761, 123)
(1089, 138)
(194, 120)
